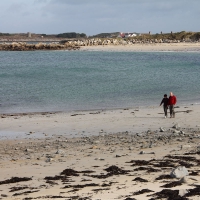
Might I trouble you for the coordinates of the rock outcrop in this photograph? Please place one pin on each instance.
(22, 46)
(76, 44)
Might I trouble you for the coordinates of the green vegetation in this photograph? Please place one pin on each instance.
(71, 35)
(105, 35)
(181, 36)
(4, 34)
(171, 36)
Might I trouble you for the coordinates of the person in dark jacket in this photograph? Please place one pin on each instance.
(172, 103)
(165, 104)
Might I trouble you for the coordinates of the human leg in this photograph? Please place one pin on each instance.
(172, 113)
(165, 110)
(171, 110)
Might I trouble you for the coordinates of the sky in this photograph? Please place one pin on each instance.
(99, 16)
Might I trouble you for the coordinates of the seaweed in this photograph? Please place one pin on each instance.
(172, 184)
(15, 180)
(169, 194)
(140, 179)
(164, 176)
(142, 191)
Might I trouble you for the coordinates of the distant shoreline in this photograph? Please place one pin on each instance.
(100, 45)
(145, 47)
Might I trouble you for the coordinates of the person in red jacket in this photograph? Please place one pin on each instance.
(172, 102)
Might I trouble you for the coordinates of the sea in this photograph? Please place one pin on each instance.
(46, 81)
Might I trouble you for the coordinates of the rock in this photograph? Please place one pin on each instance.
(198, 147)
(182, 192)
(130, 148)
(49, 159)
(29, 150)
(185, 146)
(179, 172)
(99, 159)
(152, 152)
(175, 131)
(142, 152)
(60, 152)
(162, 129)
(176, 126)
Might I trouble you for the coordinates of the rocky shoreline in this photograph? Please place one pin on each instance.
(126, 154)
(22, 46)
(77, 44)
(109, 166)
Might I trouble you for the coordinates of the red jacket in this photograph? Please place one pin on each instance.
(172, 100)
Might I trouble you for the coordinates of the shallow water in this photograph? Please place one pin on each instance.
(81, 80)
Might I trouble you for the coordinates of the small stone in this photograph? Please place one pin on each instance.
(186, 146)
(182, 192)
(142, 152)
(60, 152)
(175, 131)
(28, 150)
(179, 172)
(176, 126)
(162, 129)
(49, 160)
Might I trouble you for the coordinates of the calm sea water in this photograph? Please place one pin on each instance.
(83, 80)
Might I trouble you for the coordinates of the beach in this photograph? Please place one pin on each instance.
(127, 153)
(101, 154)
(183, 46)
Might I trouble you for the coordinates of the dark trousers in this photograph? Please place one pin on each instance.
(165, 110)
(171, 109)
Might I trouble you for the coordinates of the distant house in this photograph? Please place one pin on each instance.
(126, 35)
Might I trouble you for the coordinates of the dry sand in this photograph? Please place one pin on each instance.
(146, 47)
(94, 154)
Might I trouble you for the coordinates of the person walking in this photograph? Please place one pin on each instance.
(172, 103)
(165, 104)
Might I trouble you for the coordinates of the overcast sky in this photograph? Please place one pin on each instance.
(99, 16)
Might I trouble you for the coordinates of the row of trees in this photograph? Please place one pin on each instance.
(174, 36)
(71, 35)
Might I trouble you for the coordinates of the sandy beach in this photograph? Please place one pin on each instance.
(127, 153)
(105, 154)
(146, 47)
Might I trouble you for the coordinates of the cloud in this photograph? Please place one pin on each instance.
(16, 7)
(95, 16)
